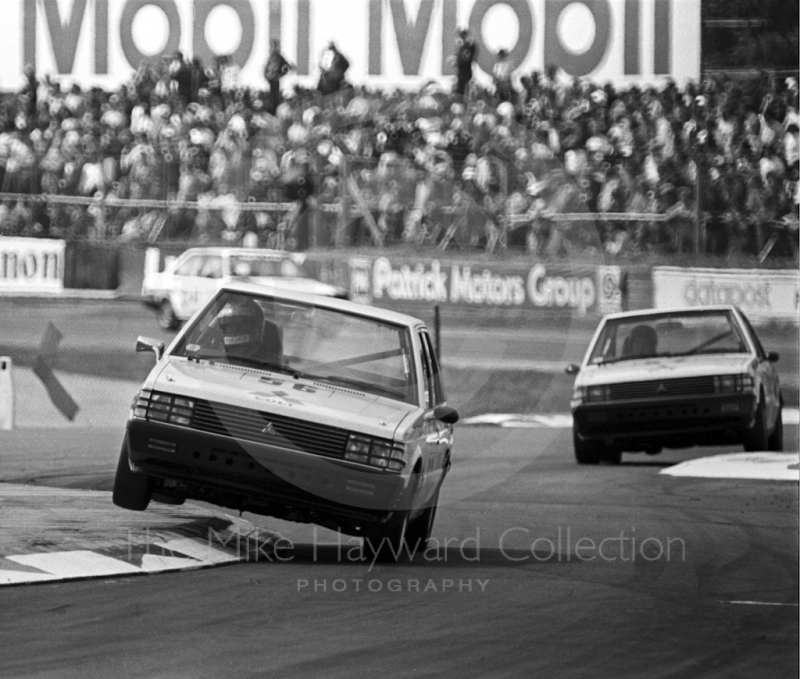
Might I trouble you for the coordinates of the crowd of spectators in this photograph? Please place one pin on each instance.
(494, 163)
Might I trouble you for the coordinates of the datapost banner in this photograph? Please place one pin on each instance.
(392, 43)
(33, 265)
(763, 294)
(559, 287)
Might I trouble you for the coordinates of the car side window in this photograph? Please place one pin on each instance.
(441, 397)
(191, 267)
(427, 373)
(434, 386)
(212, 267)
(759, 348)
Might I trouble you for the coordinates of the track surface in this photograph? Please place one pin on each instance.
(534, 606)
(521, 589)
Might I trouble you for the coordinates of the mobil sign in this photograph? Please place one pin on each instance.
(388, 42)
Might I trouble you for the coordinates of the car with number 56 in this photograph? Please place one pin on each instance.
(306, 408)
(675, 378)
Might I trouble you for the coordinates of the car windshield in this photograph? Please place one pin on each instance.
(325, 345)
(669, 334)
(250, 265)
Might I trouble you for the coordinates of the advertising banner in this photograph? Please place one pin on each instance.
(31, 265)
(763, 294)
(395, 43)
(431, 281)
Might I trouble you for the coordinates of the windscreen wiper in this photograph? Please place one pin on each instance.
(263, 363)
(367, 386)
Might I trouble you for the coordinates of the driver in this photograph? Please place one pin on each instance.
(246, 334)
(241, 325)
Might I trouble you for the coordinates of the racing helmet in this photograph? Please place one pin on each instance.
(241, 324)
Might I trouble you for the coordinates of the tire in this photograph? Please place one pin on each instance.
(419, 530)
(612, 455)
(775, 441)
(167, 320)
(586, 452)
(387, 543)
(132, 490)
(755, 438)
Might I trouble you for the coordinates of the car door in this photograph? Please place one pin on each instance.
(767, 373)
(437, 436)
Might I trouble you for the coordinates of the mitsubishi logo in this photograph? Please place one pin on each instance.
(269, 429)
(661, 388)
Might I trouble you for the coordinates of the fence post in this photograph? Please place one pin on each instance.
(437, 332)
(6, 395)
(340, 240)
(698, 213)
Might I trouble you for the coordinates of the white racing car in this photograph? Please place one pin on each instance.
(198, 273)
(302, 407)
(675, 378)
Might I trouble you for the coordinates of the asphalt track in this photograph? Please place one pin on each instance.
(539, 566)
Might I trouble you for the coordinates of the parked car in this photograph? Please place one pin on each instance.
(194, 276)
(675, 378)
(296, 406)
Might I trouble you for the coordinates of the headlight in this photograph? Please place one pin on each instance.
(733, 384)
(380, 453)
(598, 392)
(578, 396)
(163, 408)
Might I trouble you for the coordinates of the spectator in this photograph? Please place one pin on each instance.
(503, 69)
(333, 67)
(465, 56)
(275, 69)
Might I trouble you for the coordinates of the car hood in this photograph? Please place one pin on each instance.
(645, 369)
(298, 398)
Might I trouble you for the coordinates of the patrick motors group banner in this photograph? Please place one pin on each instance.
(581, 290)
(763, 294)
(31, 265)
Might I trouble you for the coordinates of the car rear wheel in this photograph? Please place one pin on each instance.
(420, 529)
(132, 490)
(775, 441)
(755, 438)
(586, 452)
(167, 319)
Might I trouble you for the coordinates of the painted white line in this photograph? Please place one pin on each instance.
(759, 603)
(153, 563)
(78, 564)
(207, 554)
(766, 466)
(791, 416)
(21, 577)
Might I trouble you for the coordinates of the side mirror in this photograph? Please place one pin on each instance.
(572, 369)
(149, 344)
(445, 414)
(773, 356)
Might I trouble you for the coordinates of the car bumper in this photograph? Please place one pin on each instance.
(692, 416)
(262, 478)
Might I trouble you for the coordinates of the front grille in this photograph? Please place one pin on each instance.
(252, 425)
(683, 386)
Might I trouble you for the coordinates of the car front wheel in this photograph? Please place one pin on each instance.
(420, 529)
(132, 490)
(387, 543)
(167, 319)
(755, 438)
(775, 442)
(586, 452)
